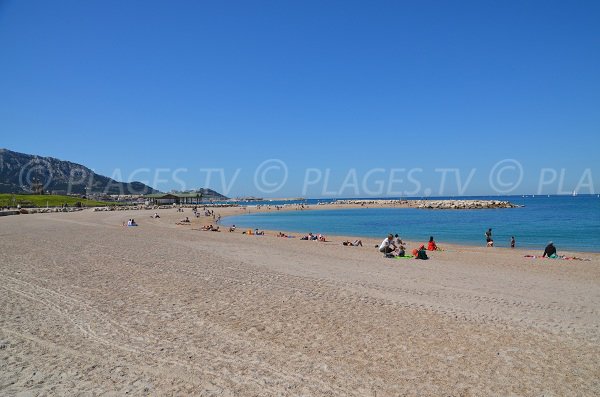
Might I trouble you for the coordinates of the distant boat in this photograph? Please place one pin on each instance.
(574, 193)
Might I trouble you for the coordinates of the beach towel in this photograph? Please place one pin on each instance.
(566, 258)
(404, 257)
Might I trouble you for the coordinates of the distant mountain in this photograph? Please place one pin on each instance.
(207, 194)
(26, 173)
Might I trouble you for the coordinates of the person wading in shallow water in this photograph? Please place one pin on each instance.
(488, 236)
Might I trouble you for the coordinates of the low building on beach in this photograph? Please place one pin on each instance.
(174, 198)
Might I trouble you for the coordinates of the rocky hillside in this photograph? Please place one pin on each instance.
(26, 173)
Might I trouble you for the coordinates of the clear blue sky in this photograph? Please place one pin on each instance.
(121, 86)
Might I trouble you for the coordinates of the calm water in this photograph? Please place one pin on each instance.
(572, 223)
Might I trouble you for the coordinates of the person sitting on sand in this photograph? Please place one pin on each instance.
(321, 238)
(431, 246)
(387, 246)
(132, 223)
(232, 229)
(155, 215)
(258, 232)
(420, 253)
(550, 251)
(490, 243)
(401, 251)
(398, 241)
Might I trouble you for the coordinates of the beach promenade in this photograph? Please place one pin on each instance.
(88, 306)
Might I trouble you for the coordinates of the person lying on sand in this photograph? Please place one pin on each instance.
(281, 234)
(355, 243)
(184, 222)
(258, 232)
(209, 228)
(321, 238)
(310, 237)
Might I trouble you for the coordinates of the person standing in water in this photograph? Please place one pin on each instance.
(488, 235)
(512, 242)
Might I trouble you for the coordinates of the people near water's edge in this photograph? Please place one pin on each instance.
(401, 251)
(431, 246)
(387, 246)
(550, 251)
(232, 229)
(512, 242)
(398, 241)
(312, 237)
(488, 238)
(355, 243)
(420, 252)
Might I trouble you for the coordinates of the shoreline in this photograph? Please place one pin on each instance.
(376, 240)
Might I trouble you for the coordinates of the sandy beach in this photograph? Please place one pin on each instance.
(91, 307)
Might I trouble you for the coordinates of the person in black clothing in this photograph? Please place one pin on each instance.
(488, 235)
(549, 250)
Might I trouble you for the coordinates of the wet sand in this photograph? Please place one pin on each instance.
(91, 307)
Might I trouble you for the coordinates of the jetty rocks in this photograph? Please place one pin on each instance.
(433, 204)
(462, 204)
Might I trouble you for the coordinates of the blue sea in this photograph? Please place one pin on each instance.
(571, 222)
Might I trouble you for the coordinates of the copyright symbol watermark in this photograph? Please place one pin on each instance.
(270, 176)
(506, 175)
(36, 171)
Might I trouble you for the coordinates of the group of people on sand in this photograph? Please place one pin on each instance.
(130, 222)
(254, 232)
(313, 237)
(393, 246)
(210, 228)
